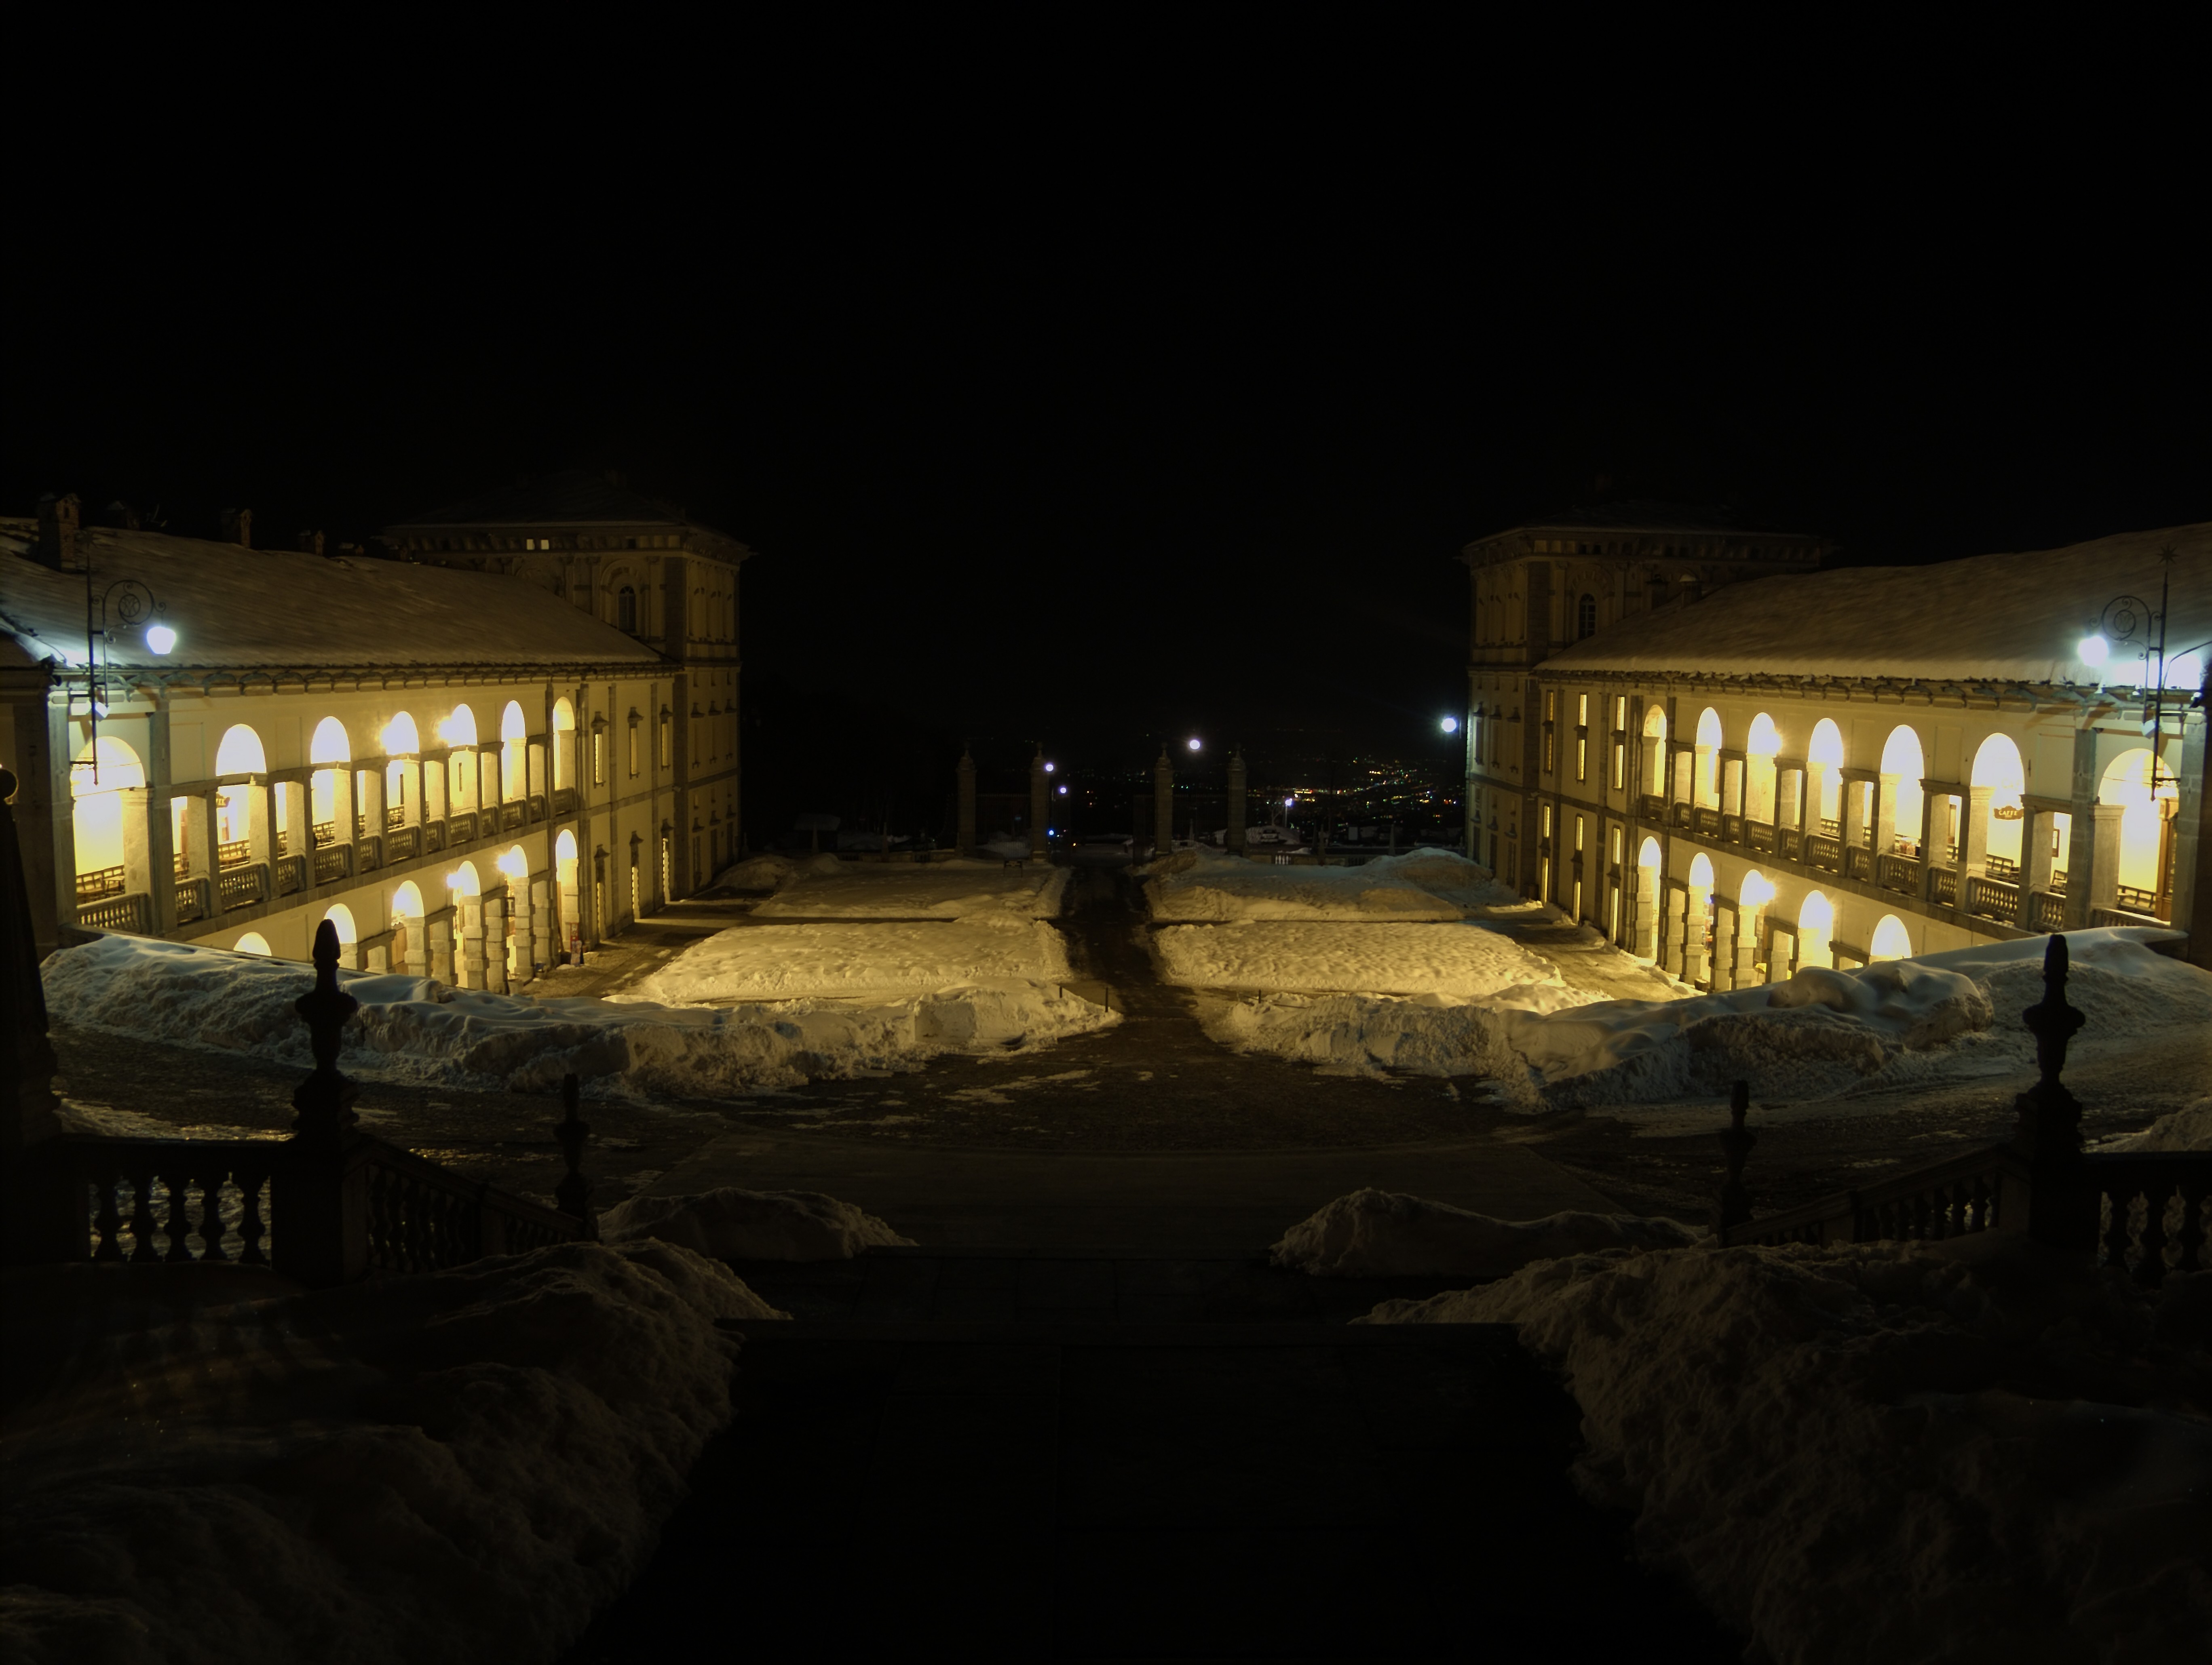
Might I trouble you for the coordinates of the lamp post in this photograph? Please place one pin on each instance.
(129, 602)
(2116, 625)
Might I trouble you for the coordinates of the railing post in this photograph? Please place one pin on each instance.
(573, 1195)
(320, 1195)
(2061, 1207)
(1737, 1141)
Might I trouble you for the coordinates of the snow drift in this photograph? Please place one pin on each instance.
(1381, 1234)
(1360, 958)
(956, 889)
(413, 1029)
(1421, 885)
(452, 1467)
(1898, 1023)
(729, 1224)
(1907, 1452)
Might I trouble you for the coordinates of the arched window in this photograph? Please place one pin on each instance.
(626, 610)
(1586, 617)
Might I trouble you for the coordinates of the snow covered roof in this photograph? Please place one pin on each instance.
(573, 500)
(236, 608)
(1648, 515)
(2009, 618)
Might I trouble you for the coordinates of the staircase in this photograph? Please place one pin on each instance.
(990, 1457)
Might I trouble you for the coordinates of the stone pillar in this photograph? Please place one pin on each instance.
(495, 942)
(1040, 802)
(368, 798)
(542, 947)
(1704, 779)
(139, 873)
(965, 839)
(1745, 971)
(207, 830)
(1237, 804)
(1974, 836)
(1815, 794)
(2190, 847)
(1669, 931)
(1789, 797)
(1694, 919)
(1163, 804)
(2035, 850)
(2081, 839)
(1885, 814)
(2104, 865)
(439, 928)
(261, 822)
(341, 808)
(1854, 816)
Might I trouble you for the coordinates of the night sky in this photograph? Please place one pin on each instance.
(1112, 449)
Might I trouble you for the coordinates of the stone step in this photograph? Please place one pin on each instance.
(1070, 1490)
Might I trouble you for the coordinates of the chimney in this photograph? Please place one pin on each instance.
(310, 543)
(57, 527)
(238, 527)
(1654, 592)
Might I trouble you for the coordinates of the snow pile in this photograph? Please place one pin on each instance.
(1423, 885)
(729, 1224)
(941, 890)
(786, 962)
(1898, 1451)
(759, 873)
(1384, 1234)
(2187, 1128)
(418, 1030)
(1897, 1024)
(450, 1467)
(1329, 958)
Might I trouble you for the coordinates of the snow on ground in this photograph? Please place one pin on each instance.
(791, 962)
(451, 1467)
(416, 1030)
(729, 1224)
(2189, 1128)
(942, 890)
(1384, 1234)
(1909, 1452)
(1422, 885)
(1328, 956)
(1896, 1025)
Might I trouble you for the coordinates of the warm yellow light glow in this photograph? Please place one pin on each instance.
(1765, 739)
(1756, 890)
(240, 753)
(254, 942)
(1891, 940)
(400, 738)
(329, 744)
(515, 863)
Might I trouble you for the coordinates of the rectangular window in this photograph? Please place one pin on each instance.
(667, 730)
(1619, 764)
(633, 748)
(1620, 710)
(1550, 704)
(1581, 709)
(1578, 835)
(598, 758)
(1616, 846)
(1549, 764)
(1547, 821)
(1582, 757)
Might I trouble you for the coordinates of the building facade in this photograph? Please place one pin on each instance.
(1540, 587)
(1829, 768)
(463, 772)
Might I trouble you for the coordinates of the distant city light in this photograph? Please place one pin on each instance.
(1063, 791)
(1290, 803)
(1194, 742)
(160, 638)
(1451, 725)
(2093, 649)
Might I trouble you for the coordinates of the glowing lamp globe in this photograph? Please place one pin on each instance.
(1194, 742)
(1451, 725)
(2093, 652)
(159, 638)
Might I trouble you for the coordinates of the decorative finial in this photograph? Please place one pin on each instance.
(324, 1100)
(2052, 1020)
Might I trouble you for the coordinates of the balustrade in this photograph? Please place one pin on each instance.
(565, 800)
(332, 862)
(537, 803)
(1901, 872)
(133, 913)
(1858, 863)
(2139, 901)
(1651, 807)
(402, 842)
(1825, 853)
(1761, 837)
(460, 829)
(1832, 829)
(1793, 843)
(2120, 917)
(368, 855)
(1991, 899)
(1708, 822)
(326, 832)
(510, 816)
(191, 900)
(1678, 813)
(101, 881)
(245, 887)
(2150, 1204)
(180, 866)
(1943, 887)
(433, 836)
(395, 815)
(291, 875)
(2001, 867)
(144, 1200)
(1732, 828)
(237, 853)
(2045, 913)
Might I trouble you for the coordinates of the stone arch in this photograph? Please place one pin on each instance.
(241, 753)
(330, 743)
(410, 941)
(1824, 759)
(513, 753)
(1649, 898)
(1901, 803)
(329, 748)
(1890, 940)
(564, 742)
(341, 917)
(1816, 931)
(2146, 823)
(1999, 779)
(1705, 783)
(99, 809)
(1759, 747)
(253, 942)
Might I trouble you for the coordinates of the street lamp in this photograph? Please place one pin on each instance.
(2122, 617)
(1451, 725)
(129, 601)
(1193, 742)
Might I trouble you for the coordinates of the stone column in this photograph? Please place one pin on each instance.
(1236, 805)
(1854, 816)
(2035, 853)
(1163, 804)
(964, 840)
(2082, 838)
(139, 874)
(2104, 865)
(341, 808)
(206, 828)
(1694, 919)
(1885, 814)
(261, 822)
(1647, 913)
(1789, 797)
(471, 911)
(1815, 794)
(1974, 837)
(1748, 921)
(1040, 802)
(439, 928)
(369, 797)
(495, 942)
(542, 947)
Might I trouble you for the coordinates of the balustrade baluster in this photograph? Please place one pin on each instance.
(251, 1226)
(211, 1216)
(142, 1217)
(2120, 1199)
(179, 1226)
(2191, 1235)
(2150, 1271)
(106, 1222)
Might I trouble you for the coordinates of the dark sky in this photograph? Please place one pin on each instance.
(1099, 446)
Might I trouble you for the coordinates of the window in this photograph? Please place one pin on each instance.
(1616, 846)
(1582, 709)
(1550, 704)
(598, 756)
(1547, 821)
(1619, 764)
(668, 737)
(1586, 617)
(626, 610)
(1581, 755)
(632, 743)
(1620, 710)
(1578, 835)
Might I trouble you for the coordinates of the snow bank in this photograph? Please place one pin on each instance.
(759, 873)
(1906, 1452)
(414, 1030)
(1897, 1024)
(452, 1467)
(786, 962)
(1422, 885)
(729, 1224)
(1461, 960)
(2187, 1128)
(942, 890)
(1383, 1234)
